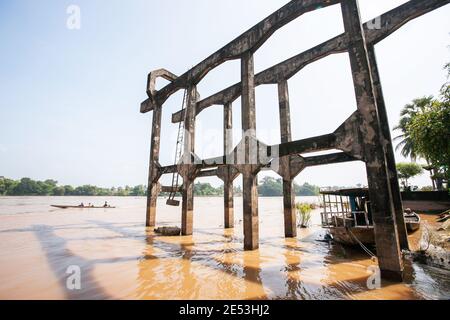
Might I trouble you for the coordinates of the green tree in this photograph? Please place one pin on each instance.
(103, 192)
(46, 187)
(306, 190)
(424, 126)
(69, 190)
(3, 186)
(26, 186)
(445, 90)
(430, 130)
(10, 186)
(237, 191)
(58, 191)
(406, 144)
(121, 192)
(407, 171)
(220, 189)
(204, 189)
(270, 187)
(138, 191)
(86, 190)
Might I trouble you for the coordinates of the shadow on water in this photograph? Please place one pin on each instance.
(186, 283)
(181, 278)
(183, 267)
(60, 258)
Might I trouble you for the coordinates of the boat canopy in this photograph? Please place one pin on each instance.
(355, 192)
(346, 208)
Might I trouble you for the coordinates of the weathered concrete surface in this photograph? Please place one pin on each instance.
(153, 176)
(290, 216)
(391, 21)
(389, 151)
(250, 190)
(298, 163)
(250, 209)
(228, 175)
(386, 235)
(246, 43)
(188, 170)
(151, 83)
(187, 208)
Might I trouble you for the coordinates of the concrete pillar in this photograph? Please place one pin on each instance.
(228, 181)
(153, 190)
(386, 235)
(250, 191)
(188, 177)
(250, 208)
(187, 208)
(248, 94)
(390, 157)
(228, 204)
(290, 217)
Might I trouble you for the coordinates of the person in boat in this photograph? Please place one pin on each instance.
(106, 204)
(81, 204)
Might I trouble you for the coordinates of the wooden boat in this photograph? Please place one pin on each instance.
(347, 216)
(412, 221)
(352, 236)
(80, 207)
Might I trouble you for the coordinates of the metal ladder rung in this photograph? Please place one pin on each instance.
(170, 188)
(172, 202)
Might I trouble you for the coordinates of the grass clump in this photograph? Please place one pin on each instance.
(304, 213)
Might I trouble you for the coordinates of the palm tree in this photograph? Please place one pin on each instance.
(406, 144)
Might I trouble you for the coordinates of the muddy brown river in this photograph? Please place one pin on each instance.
(118, 258)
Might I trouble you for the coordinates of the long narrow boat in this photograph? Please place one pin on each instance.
(79, 207)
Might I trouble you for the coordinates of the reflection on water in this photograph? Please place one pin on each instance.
(120, 258)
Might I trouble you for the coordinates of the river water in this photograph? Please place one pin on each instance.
(118, 258)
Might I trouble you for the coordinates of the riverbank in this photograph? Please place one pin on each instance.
(431, 245)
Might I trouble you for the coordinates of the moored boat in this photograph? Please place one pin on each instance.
(412, 221)
(347, 215)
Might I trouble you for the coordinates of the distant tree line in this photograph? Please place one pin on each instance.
(29, 187)
(268, 187)
(271, 187)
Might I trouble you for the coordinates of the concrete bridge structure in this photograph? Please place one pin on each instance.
(364, 136)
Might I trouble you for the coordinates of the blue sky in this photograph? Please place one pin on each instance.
(69, 106)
